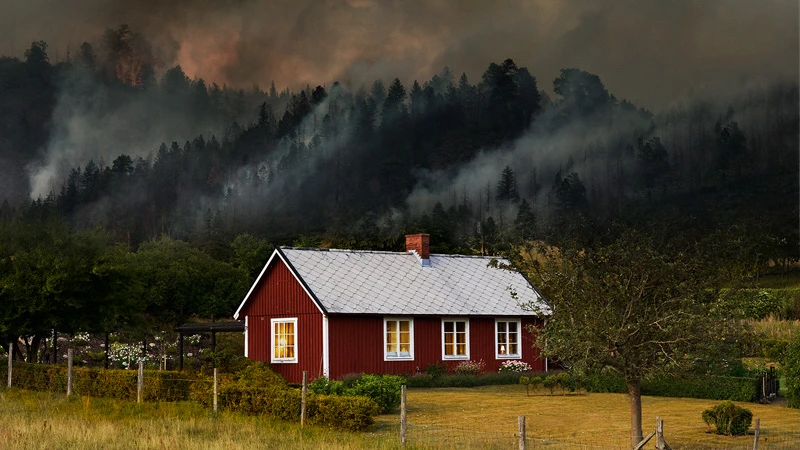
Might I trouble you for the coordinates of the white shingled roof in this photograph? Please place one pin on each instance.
(370, 282)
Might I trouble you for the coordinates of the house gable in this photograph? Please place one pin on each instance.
(278, 257)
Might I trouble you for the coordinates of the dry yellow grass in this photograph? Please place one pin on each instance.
(486, 417)
(458, 418)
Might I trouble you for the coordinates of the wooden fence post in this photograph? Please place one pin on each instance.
(10, 363)
(661, 444)
(758, 431)
(522, 432)
(304, 396)
(216, 390)
(403, 424)
(140, 381)
(69, 371)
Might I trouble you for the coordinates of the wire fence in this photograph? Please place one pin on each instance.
(423, 428)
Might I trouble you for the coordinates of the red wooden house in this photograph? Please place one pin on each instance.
(334, 312)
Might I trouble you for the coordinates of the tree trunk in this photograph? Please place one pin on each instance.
(635, 396)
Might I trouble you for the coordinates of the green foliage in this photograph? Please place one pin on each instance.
(436, 369)
(791, 368)
(180, 281)
(351, 413)
(159, 385)
(424, 380)
(384, 390)
(741, 389)
(728, 419)
(758, 303)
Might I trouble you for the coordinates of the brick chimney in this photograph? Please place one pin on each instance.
(420, 244)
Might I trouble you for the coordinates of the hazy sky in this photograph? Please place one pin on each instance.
(649, 51)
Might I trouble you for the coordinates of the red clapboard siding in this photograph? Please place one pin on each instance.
(356, 345)
(280, 295)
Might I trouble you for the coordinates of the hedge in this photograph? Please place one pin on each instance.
(350, 413)
(113, 383)
(424, 380)
(791, 366)
(741, 389)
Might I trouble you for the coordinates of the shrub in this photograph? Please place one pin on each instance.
(530, 382)
(728, 419)
(550, 382)
(469, 367)
(515, 366)
(436, 369)
(322, 385)
(384, 390)
(260, 375)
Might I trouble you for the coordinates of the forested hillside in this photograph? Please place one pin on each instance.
(102, 142)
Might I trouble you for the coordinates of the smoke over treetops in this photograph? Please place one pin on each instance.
(680, 46)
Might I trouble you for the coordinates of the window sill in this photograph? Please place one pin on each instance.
(456, 358)
(508, 356)
(284, 361)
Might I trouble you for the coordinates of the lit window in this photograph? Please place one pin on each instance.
(455, 339)
(507, 342)
(284, 340)
(398, 339)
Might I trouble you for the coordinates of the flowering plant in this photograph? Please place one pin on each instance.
(515, 366)
(470, 367)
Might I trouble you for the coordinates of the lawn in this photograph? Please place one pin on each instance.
(486, 417)
(462, 418)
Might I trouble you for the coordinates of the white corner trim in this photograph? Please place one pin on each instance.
(246, 339)
(326, 364)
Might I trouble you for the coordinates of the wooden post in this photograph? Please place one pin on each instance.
(10, 359)
(403, 424)
(758, 432)
(216, 390)
(303, 398)
(140, 381)
(214, 348)
(69, 372)
(522, 432)
(661, 444)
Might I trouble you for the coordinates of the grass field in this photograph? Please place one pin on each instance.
(462, 418)
(487, 417)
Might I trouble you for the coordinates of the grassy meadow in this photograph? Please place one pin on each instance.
(463, 418)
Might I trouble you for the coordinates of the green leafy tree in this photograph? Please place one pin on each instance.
(631, 305)
(180, 282)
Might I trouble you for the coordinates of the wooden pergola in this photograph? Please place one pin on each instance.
(206, 327)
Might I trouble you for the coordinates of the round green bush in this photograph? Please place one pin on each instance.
(728, 419)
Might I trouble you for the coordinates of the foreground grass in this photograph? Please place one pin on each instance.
(36, 420)
(457, 418)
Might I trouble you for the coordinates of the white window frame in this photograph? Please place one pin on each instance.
(466, 329)
(497, 354)
(272, 323)
(410, 320)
